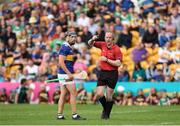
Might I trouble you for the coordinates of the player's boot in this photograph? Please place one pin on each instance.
(75, 116)
(60, 116)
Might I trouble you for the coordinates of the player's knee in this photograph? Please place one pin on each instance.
(62, 95)
(73, 94)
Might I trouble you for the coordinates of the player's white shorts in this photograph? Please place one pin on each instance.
(62, 79)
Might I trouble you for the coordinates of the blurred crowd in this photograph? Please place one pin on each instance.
(24, 94)
(147, 32)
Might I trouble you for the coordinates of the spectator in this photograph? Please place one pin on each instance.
(51, 26)
(161, 6)
(123, 74)
(13, 78)
(170, 29)
(164, 54)
(2, 79)
(12, 96)
(3, 96)
(36, 55)
(139, 53)
(138, 73)
(36, 36)
(164, 99)
(43, 95)
(163, 38)
(148, 6)
(124, 17)
(22, 92)
(32, 69)
(63, 21)
(175, 18)
(91, 13)
(86, 35)
(83, 20)
(8, 34)
(44, 24)
(128, 99)
(56, 94)
(150, 37)
(176, 53)
(118, 98)
(177, 75)
(101, 34)
(82, 96)
(125, 38)
(160, 76)
(151, 71)
(54, 53)
(153, 98)
(175, 100)
(10, 47)
(95, 72)
(126, 4)
(140, 99)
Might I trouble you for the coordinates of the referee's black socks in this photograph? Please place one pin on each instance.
(109, 105)
(102, 100)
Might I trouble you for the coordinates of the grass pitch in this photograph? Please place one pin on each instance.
(121, 115)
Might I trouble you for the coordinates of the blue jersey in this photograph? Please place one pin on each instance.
(67, 51)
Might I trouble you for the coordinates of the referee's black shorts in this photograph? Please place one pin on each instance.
(108, 78)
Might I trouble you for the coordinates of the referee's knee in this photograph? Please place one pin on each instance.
(109, 98)
(100, 94)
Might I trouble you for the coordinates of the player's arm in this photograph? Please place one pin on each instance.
(63, 66)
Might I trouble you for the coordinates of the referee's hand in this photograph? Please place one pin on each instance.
(95, 37)
(103, 58)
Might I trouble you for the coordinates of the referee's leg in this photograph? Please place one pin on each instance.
(109, 103)
(102, 100)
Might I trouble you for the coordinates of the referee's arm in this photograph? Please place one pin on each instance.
(116, 63)
(91, 41)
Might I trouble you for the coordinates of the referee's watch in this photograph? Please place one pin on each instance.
(107, 60)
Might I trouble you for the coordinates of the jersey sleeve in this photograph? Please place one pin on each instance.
(64, 50)
(99, 44)
(118, 54)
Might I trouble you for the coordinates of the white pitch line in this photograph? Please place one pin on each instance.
(140, 111)
(143, 111)
(165, 123)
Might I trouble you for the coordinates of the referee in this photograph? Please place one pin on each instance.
(110, 60)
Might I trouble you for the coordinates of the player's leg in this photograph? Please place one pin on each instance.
(72, 90)
(73, 93)
(61, 102)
